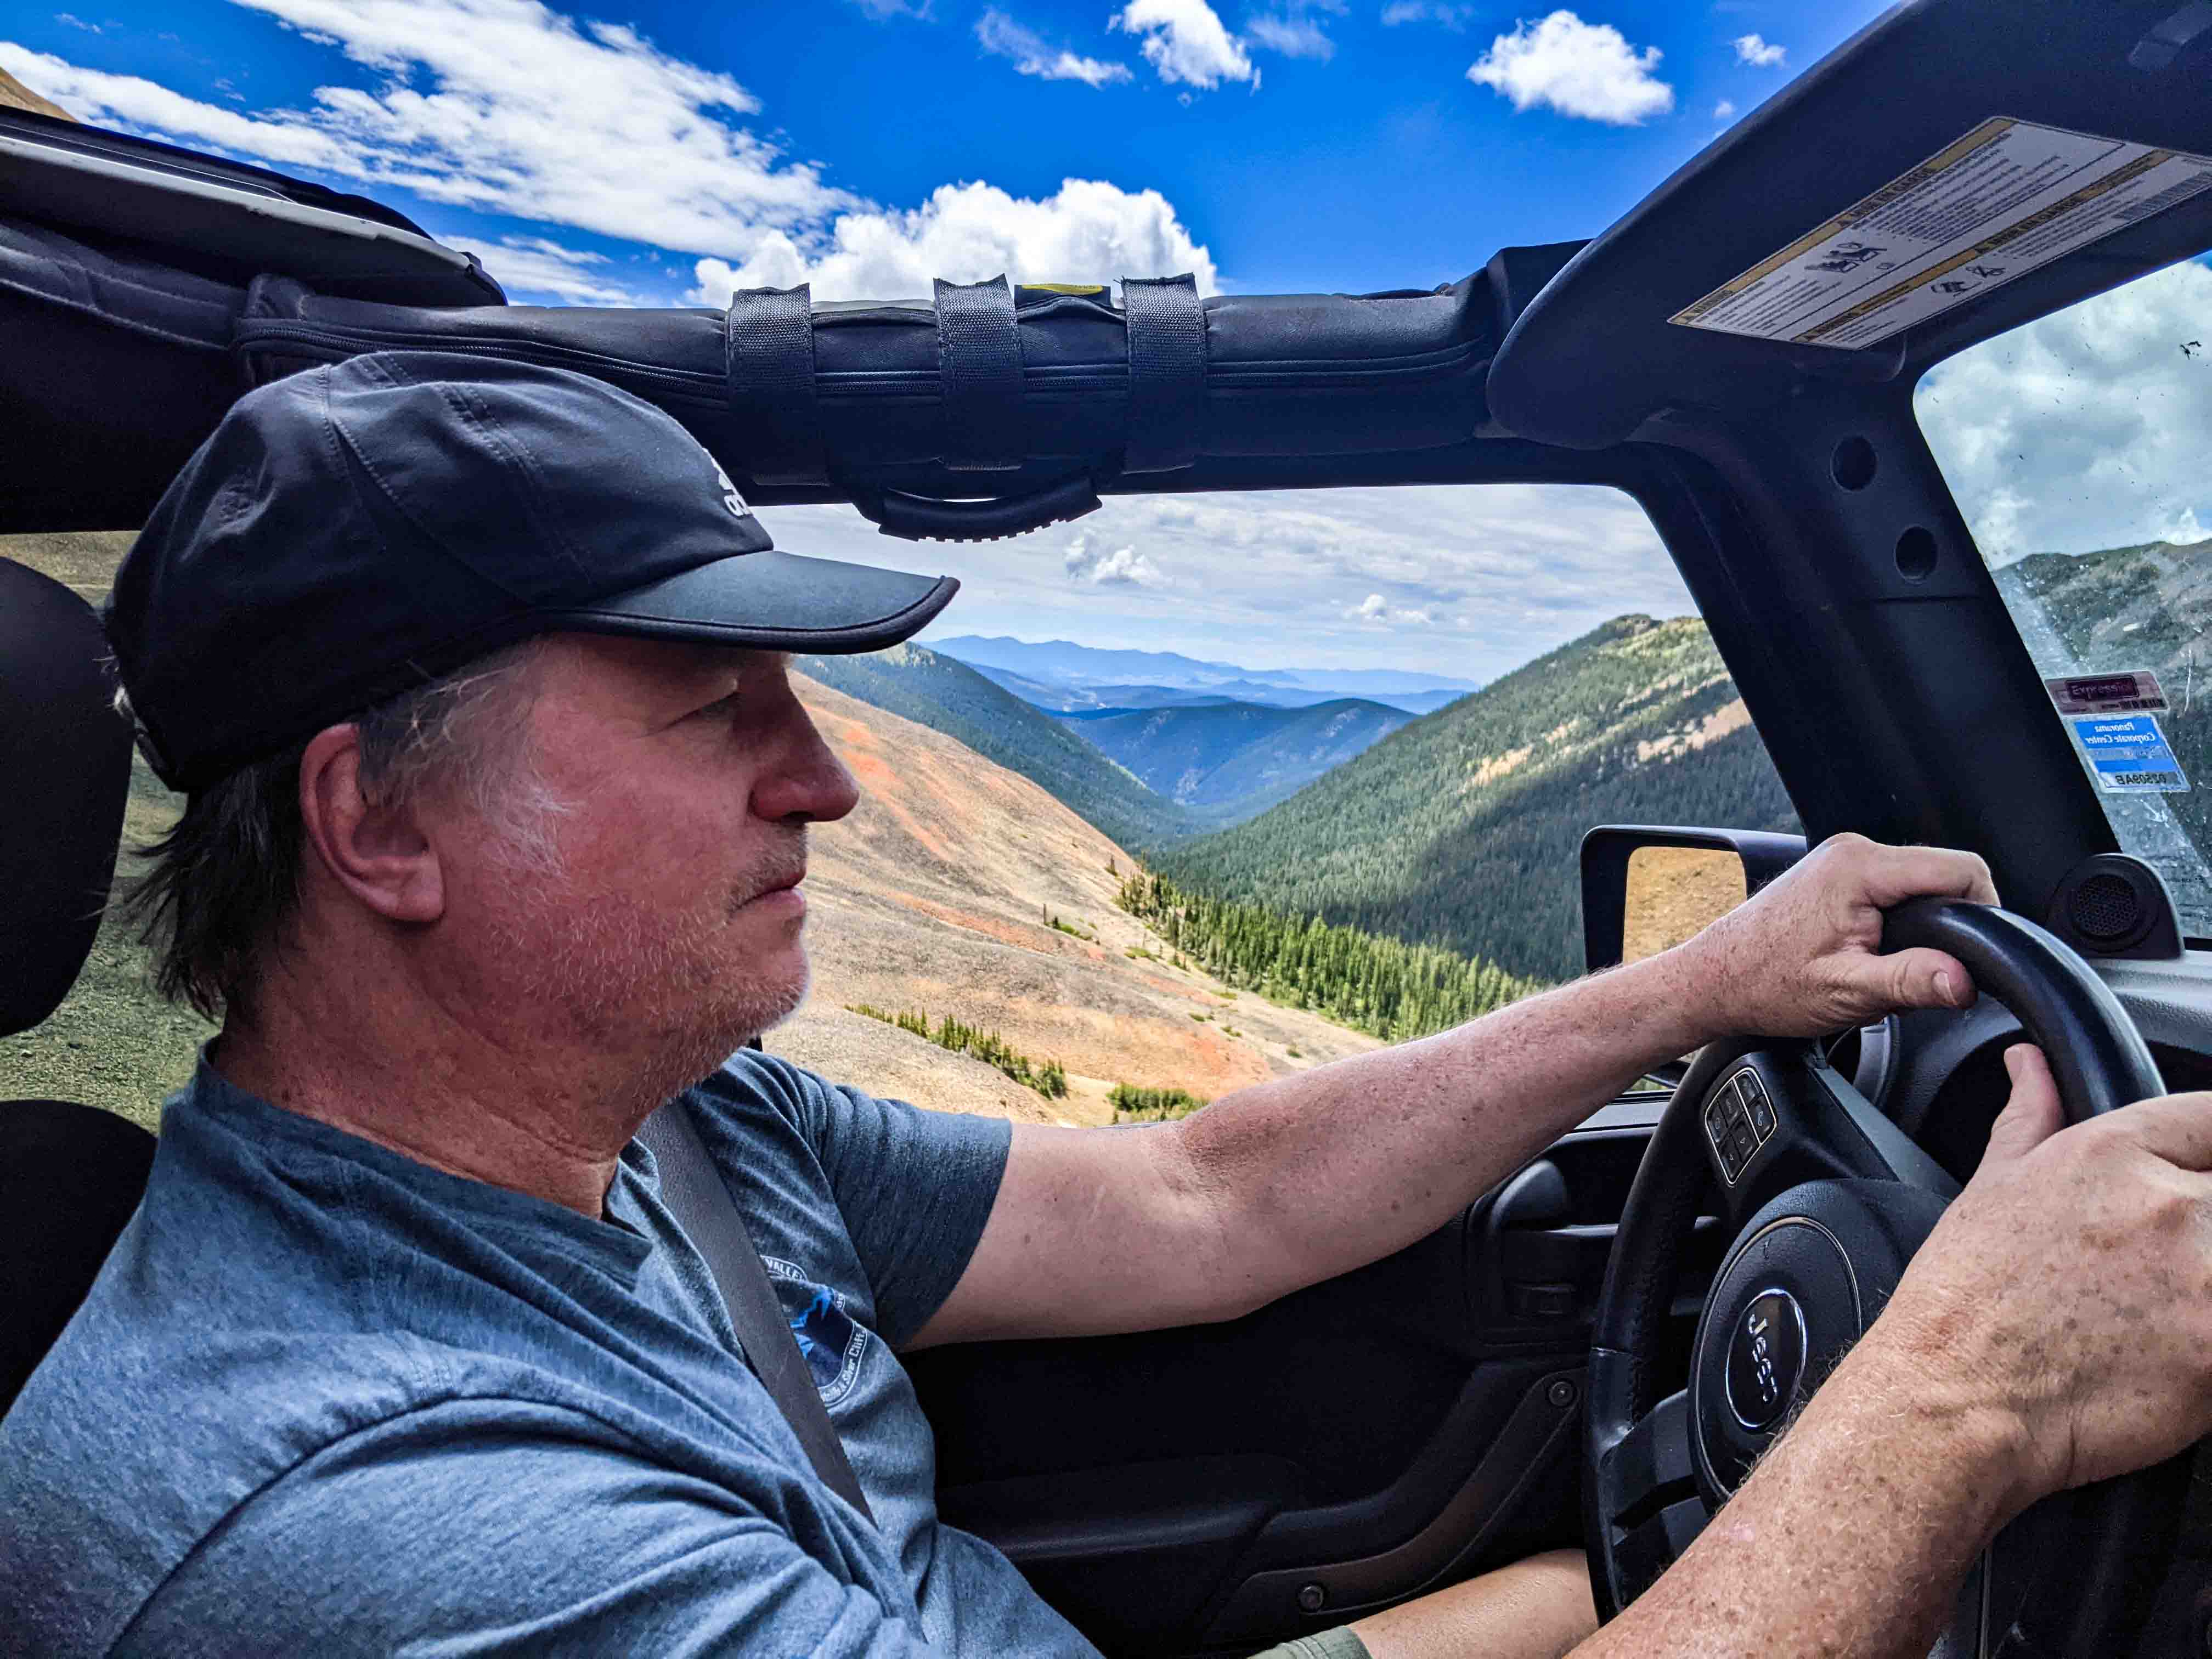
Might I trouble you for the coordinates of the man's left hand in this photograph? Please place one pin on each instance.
(1801, 958)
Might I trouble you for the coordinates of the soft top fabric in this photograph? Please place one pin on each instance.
(324, 1395)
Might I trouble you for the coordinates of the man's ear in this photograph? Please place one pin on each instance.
(380, 854)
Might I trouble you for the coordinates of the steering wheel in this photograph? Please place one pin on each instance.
(1827, 1200)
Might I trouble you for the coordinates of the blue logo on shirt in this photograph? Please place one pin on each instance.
(829, 1338)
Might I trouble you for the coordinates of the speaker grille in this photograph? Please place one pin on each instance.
(2106, 907)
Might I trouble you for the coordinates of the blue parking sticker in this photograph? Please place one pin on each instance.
(2129, 754)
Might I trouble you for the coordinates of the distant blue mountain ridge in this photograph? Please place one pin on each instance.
(1062, 666)
(1230, 760)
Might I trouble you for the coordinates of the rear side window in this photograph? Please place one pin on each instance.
(2076, 447)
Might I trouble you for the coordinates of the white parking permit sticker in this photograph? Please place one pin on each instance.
(2126, 692)
(2007, 197)
(2129, 754)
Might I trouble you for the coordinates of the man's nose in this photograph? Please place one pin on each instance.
(809, 782)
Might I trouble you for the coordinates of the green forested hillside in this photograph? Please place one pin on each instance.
(1461, 829)
(1234, 760)
(951, 697)
(1395, 991)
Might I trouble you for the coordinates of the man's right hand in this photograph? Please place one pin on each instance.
(2068, 1288)
(2055, 1328)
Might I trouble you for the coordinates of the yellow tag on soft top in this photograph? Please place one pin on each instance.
(1068, 288)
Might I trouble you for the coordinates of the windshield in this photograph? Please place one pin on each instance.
(2076, 445)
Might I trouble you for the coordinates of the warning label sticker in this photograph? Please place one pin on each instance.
(2007, 197)
(2129, 754)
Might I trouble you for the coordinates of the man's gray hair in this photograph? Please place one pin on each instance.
(219, 888)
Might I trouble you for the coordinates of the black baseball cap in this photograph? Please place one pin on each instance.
(354, 530)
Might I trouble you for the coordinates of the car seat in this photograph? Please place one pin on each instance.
(70, 1176)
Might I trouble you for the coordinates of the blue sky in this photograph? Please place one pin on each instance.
(1301, 144)
(628, 152)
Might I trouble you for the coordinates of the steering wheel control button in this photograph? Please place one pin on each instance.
(1756, 1104)
(1721, 1132)
(1767, 1356)
(1731, 1165)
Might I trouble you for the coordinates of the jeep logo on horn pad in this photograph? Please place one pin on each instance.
(1767, 1356)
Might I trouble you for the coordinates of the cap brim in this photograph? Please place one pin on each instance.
(773, 601)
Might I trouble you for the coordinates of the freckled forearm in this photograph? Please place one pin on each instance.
(1332, 1168)
(1851, 1537)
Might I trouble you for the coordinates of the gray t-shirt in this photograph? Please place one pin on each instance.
(324, 1397)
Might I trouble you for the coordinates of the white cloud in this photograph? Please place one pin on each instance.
(528, 266)
(883, 11)
(1750, 49)
(1375, 609)
(2084, 429)
(1504, 571)
(1003, 36)
(1453, 17)
(79, 23)
(1089, 231)
(1724, 109)
(142, 106)
(503, 105)
(1293, 37)
(1585, 70)
(508, 107)
(1123, 567)
(1185, 42)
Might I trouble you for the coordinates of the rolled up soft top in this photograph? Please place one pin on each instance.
(139, 300)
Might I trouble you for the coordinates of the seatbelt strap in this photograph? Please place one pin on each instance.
(692, 1189)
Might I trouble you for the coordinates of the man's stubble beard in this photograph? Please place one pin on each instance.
(666, 989)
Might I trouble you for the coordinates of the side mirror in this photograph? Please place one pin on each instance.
(1646, 889)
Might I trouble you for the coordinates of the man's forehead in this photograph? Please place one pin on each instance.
(654, 668)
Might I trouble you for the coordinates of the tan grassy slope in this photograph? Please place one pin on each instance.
(929, 897)
(932, 895)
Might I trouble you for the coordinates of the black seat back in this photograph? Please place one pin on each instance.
(69, 1175)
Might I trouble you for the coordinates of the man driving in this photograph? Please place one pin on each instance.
(498, 792)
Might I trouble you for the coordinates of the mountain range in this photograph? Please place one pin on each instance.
(1461, 829)
(947, 696)
(1060, 667)
(1232, 759)
(1148, 775)
(1064, 697)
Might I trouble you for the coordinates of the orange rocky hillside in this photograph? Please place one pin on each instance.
(936, 895)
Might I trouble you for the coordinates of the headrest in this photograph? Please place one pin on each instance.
(64, 771)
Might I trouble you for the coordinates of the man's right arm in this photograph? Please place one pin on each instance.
(2054, 1329)
(1851, 1537)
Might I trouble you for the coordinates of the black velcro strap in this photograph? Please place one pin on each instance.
(1167, 373)
(979, 363)
(769, 350)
